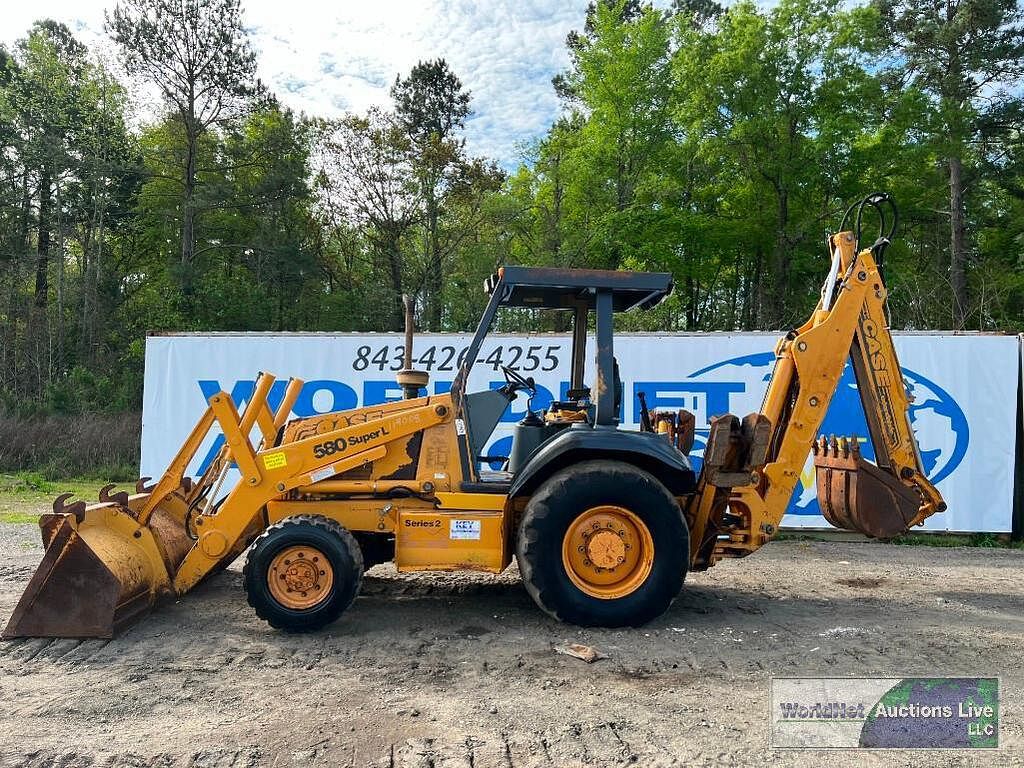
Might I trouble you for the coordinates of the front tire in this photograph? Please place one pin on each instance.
(302, 573)
(603, 543)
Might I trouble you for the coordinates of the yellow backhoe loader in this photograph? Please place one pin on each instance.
(604, 522)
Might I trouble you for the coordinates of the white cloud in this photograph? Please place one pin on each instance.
(326, 58)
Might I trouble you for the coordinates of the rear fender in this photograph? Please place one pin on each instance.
(645, 450)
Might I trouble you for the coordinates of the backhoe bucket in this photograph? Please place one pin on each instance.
(857, 495)
(101, 568)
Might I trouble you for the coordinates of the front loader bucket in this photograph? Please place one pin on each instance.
(107, 563)
(856, 495)
(101, 568)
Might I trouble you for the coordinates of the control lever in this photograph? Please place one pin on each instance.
(645, 415)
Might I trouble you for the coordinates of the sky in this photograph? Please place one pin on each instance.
(327, 58)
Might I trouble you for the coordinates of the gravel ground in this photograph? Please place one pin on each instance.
(459, 669)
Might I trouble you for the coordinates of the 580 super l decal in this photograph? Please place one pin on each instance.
(331, 447)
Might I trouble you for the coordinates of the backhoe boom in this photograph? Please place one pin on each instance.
(880, 501)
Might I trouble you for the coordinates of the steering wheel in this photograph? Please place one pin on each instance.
(517, 379)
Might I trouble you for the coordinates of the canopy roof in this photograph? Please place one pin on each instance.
(555, 288)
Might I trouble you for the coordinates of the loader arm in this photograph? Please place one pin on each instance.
(883, 500)
(105, 564)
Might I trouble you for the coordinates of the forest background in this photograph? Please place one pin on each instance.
(719, 143)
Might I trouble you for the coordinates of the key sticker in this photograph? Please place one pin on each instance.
(464, 529)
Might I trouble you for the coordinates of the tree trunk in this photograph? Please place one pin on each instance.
(957, 244)
(692, 289)
(773, 285)
(434, 278)
(60, 280)
(26, 210)
(188, 215)
(43, 243)
(734, 298)
(553, 235)
(85, 299)
(751, 311)
(397, 321)
(12, 351)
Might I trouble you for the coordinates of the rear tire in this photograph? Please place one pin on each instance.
(610, 514)
(302, 573)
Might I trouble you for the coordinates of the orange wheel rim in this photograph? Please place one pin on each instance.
(608, 552)
(300, 577)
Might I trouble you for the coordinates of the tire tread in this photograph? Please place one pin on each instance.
(542, 514)
(317, 521)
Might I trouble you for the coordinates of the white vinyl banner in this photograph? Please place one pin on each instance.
(964, 389)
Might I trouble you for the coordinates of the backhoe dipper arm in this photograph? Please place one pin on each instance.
(879, 501)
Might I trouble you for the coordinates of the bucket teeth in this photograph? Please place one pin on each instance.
(61, 508)
(120, 498)
(833, 447)
(141, 487)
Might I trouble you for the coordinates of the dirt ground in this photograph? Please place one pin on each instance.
(459, 670)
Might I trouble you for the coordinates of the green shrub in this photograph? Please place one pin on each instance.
(60, 446)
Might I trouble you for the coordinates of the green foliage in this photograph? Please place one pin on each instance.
(25, 481)
(83, 391)
(722, 145)
(718, 143)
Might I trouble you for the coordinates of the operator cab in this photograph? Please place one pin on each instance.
(581, 292)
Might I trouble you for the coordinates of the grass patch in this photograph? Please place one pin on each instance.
(70, 446)
(980, 540)
(34, 487)
(24, 483)
(983, 540)
(18, 518)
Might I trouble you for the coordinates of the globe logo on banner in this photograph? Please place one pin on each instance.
(938, 421)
